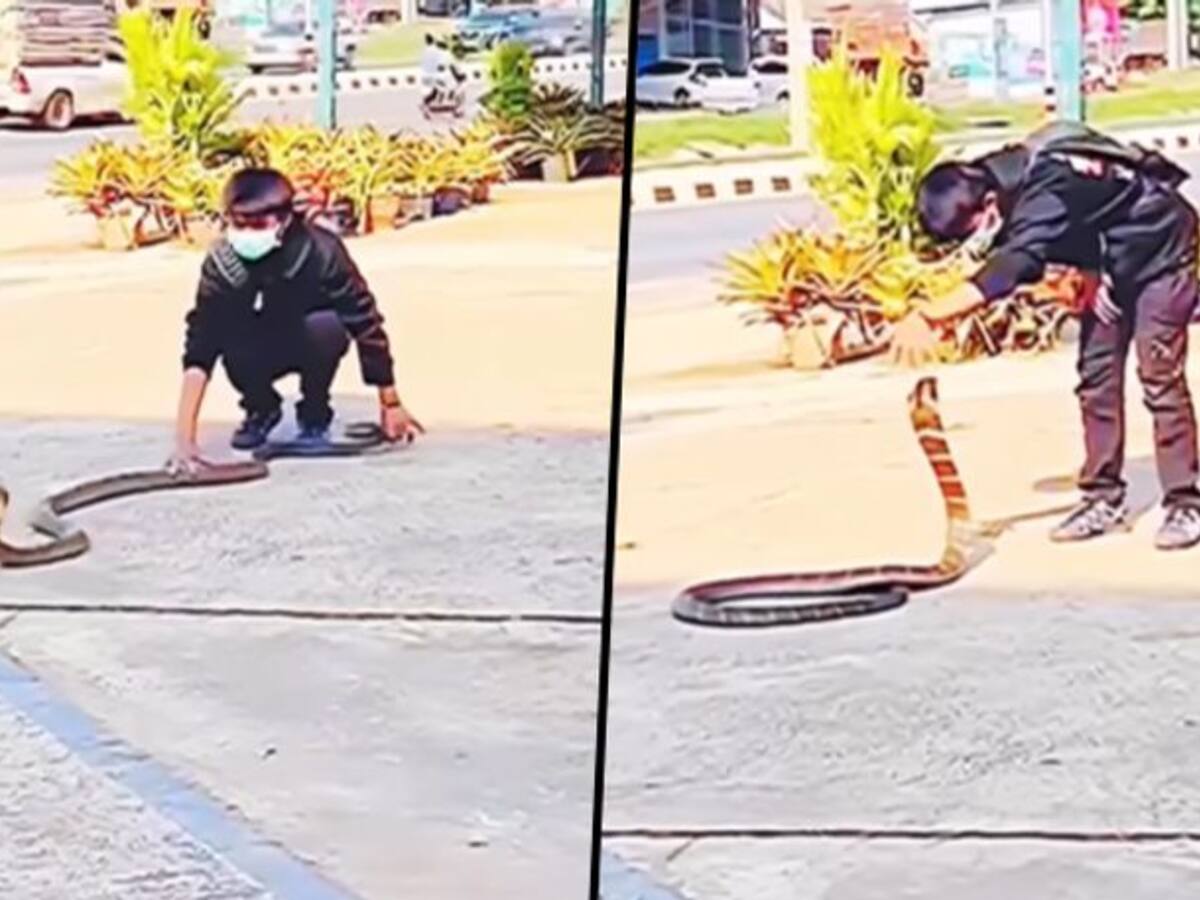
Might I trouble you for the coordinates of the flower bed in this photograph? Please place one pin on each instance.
(361, 178)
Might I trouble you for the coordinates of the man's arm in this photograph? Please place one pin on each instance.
(359, 313)
(202, 347)
(1040, 219)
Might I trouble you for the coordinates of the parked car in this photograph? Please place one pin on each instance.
(484, 29)
(770, 74)
(546, 32)
(695, 82)
(57, 97)
(292, 47)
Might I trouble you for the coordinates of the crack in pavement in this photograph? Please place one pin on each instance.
(1132, 836)
(431, 616)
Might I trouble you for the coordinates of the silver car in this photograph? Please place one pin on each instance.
(290, 47)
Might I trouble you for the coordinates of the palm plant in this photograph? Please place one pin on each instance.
(875, 143)
(509, 98)
(89, 177)
(177, 90)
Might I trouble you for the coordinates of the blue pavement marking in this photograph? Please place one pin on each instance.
(271, 866)
(620, 881)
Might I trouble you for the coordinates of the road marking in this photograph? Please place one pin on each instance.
(269, 864)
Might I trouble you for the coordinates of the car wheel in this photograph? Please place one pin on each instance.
(59, 111)
(682, 97)
(916, 84)
(783, 97)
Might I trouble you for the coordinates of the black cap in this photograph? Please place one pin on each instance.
(259, 192)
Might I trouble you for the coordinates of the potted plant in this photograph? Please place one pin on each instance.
(421, 165)
(320, 174)
(553, 138)
(193, 196)
(371, 165)
(482, 161)
(90, 179)
(142, 172)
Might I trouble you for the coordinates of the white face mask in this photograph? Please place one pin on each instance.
(252, 244)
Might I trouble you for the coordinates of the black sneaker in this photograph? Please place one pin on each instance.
(254, 429)
(1180, 530)
(313, 435)
(1090, 519)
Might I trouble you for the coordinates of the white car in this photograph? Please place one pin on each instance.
(289, 46)
(770, 74)
(695, 82)
(58, 96)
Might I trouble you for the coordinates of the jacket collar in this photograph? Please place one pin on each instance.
(1007, 168)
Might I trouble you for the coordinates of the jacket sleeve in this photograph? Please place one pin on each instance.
(202, 337)
(1040, 219)
(350, 295)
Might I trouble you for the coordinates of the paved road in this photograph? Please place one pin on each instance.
(26, 155)
(688, 242)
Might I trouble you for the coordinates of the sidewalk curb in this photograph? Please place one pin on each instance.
(732, 181)
(269, 87)
(620, 881)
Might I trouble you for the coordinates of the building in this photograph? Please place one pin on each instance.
(694, 28)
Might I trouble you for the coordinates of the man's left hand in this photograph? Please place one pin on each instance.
(914, 343)
(398, 424)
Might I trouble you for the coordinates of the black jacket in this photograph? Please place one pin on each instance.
(1072, 196)
(311, 271)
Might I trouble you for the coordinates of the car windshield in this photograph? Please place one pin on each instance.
(710, 70)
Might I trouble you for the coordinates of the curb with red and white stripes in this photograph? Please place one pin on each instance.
(759, 179)
(272, 87)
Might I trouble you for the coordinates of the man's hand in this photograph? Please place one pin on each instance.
(914, 343)
(398, 423)
(185, 461)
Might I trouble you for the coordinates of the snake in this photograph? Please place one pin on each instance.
(67, 541)
(865, 590)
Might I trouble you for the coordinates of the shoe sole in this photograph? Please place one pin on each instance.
(1170, 548)
(1120, 528)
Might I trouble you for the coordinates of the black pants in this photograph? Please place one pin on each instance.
(1155, 321)
(262, 353)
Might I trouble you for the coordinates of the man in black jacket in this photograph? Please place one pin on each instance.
(278, 295)
(1071, 196)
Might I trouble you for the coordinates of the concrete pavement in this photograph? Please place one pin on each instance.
(398, 759)
(1050, 692)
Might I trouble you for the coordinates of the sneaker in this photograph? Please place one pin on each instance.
(1090, 519)
(1180, 530)
(254, 429)
(313, 434)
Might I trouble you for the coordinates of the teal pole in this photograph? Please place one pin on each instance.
(1068, 60)
(326, 64)
(599, 34)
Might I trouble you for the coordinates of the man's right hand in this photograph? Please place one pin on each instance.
(185, 461)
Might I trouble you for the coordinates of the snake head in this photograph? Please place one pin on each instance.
(922, 403)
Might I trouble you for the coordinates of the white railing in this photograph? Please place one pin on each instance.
(406, 77)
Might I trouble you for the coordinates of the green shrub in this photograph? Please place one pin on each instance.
(509, 98)
(874, 142)
(178, 92)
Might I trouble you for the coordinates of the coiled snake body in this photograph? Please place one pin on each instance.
(857, 591)
(67, 541)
